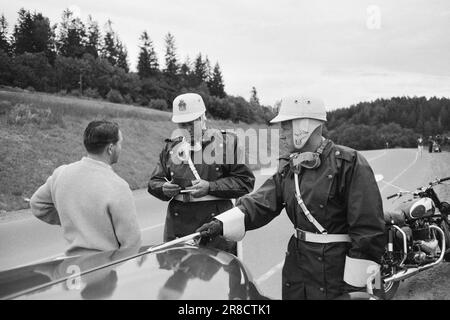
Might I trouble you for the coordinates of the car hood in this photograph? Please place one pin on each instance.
(180, 272)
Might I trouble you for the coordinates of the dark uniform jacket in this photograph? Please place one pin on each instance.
(227, 181)
(344, 198)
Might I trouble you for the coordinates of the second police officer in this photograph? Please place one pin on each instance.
(196, 173)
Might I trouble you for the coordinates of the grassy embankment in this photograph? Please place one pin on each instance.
(39, 132)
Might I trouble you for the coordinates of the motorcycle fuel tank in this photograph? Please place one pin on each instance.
(421, 208)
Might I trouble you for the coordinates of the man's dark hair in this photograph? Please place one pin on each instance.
(99, 134)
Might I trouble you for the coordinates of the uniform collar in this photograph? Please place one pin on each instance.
(325, 151)
(328, 148)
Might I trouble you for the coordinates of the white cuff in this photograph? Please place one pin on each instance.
(357, 271)
(233, 221)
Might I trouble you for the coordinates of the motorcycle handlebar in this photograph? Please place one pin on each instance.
(436, 182)
(444, 179)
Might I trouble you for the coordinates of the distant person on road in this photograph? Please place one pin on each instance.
(420, 146)
(430, 144)
(331, 197)
(93, 205)
(198, 190)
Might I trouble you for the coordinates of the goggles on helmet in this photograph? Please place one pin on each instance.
(308, 160)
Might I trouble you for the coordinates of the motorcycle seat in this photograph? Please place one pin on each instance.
(396, 217)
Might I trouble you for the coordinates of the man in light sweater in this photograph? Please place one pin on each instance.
(93, 205)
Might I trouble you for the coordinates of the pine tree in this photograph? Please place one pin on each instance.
(200, 70)
(122, 56)
(113, 49)
(215, 85)
(143, 65)
(23, 33)
(93, 37)
(4, 41)
(43, 36)
(207, 69)
(171, 56)
(33, 34)
(147, 61)
(185, 69)
(254, 100)
(72, 36)
(154, 64)
(109, 49)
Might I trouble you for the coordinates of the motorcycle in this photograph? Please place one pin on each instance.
(436, 147)
(418, 237)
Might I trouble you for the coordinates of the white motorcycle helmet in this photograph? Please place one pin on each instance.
(306, 113)
(187, 107)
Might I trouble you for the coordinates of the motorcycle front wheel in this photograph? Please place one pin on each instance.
(389, 290)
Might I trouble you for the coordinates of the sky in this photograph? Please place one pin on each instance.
(341, 51)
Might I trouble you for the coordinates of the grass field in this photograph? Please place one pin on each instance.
(39, 132)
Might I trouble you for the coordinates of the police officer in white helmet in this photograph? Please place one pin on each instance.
(198, 188)
(330, 194)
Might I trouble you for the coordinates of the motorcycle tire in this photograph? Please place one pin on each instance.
(389, 291)
(446, 229)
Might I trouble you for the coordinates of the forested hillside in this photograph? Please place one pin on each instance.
(398, 121)
(80, 58)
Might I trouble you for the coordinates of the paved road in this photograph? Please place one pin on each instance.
(30, 240)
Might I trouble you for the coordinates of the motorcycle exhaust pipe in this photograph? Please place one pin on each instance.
(405, 244)
(402, 275)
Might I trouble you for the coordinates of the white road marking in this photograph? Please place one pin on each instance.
(401, 173)
(269, 273)
(153, 227)
(393, 185)
(379, 156)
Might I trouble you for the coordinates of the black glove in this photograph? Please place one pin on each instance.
(210, 230)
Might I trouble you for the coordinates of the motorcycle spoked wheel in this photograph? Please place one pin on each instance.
(390, 289)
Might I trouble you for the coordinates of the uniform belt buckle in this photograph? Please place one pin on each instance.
(187, 197)
(301, 235)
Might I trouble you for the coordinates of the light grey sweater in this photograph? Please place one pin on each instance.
(94, 206)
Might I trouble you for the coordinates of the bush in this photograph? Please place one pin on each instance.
(22, 114)
(91, 93)
(33, 70)
(142, 101)
(114, 96)
(5, 107)
(158, 104)
(75, 93)
(128, 99)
